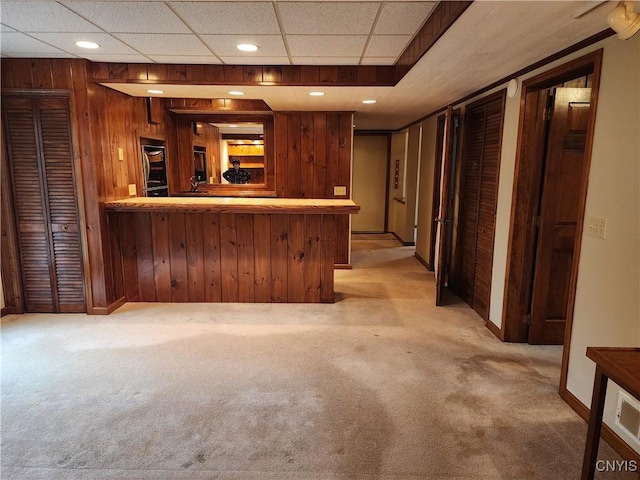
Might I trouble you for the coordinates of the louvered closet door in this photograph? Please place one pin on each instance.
(41, 161)
(481, 166)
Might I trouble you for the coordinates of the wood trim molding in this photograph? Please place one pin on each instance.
(309, 206)
(423, 261)
(404, 244)
(496, 330)
(519, 250)
(443, 16)
(272, 75)
(611, 437)
(109, 308)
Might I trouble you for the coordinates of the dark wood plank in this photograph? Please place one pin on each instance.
(296, 259)
(161, 256)
(307, 158)
(229, 257)
(144, 249)
(279, 258)
(22, 73)
(41, 73)
(211, 254)
(313, 258)
(195, 256)
(129, 257)
(333, 153)
(178, 249)
(262, 257)
(328, 247)
(246, 265)
(281, 152)
(319, 155)
(294, 186)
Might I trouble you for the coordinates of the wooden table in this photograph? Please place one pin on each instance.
(622, 365)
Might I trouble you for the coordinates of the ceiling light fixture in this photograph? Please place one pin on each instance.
(236, 92)
(247, 47)
(624, 20)
(157, 92)
(85, 44)
(368, 101)
(316, 94)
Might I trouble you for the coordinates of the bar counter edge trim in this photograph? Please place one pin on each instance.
(235, 205)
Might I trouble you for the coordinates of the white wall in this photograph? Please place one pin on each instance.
(607, 310)
(369, 179)
(425, 195)
(397, 210)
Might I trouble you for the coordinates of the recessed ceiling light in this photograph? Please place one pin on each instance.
(157, 92)
(316, 94)
(84, 44)
(236, 92)
(368, 101)
(247, 47)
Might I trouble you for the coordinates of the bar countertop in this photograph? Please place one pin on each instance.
(234, 205)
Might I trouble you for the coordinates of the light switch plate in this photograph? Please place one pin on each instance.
(339, 191)
(596, 226)
(121, 154)
(132, 190)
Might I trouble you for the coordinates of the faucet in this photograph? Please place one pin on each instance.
(194, 183)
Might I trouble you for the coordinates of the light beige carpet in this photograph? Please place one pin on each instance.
(380, 385)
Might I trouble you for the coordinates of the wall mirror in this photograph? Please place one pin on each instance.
(225, 155)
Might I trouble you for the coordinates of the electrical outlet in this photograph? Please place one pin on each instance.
(339, 191)
(132, 190)
(121, 154)
(596, 226)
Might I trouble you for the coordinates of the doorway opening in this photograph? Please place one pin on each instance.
(550, 188)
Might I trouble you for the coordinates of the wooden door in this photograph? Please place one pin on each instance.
(40, 155)
(444, 221)
(480, 172)
(559, 214)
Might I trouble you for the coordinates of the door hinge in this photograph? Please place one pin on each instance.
(527, 319)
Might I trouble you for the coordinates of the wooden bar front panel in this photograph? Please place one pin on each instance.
(212, 257)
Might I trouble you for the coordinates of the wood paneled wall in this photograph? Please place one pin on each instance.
(373, 75)
(210, 257)
(313, 155)
(45, 74)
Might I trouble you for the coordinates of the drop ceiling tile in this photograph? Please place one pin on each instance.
(256, 61)
(164, 44)
(225, 45)
(14, 43)
(228, 17)
(130, 17)
(326, 45)
(19, 44)
(325, 60)
(66, 41)
(187, 59)
(403, 17)
(378, 60)
(328, 17)
(387, 45)
(43, 17)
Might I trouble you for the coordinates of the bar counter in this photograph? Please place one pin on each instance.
(223, 249)
(234, 205)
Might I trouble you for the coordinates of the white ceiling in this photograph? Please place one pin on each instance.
(490, 41)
